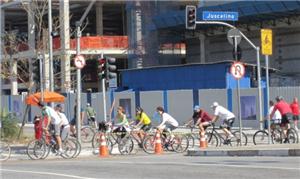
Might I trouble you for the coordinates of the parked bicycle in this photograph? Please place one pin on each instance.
(5, 151)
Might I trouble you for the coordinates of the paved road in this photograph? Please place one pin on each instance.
(153, 166)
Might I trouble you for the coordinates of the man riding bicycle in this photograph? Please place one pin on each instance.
(168, 123)
(227, 118)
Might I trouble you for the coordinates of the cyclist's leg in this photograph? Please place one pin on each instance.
(57, 136)
(203, 126)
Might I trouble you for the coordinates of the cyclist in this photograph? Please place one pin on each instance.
(73, 121)
(65, 127)
(227, 117)
(55, 121)
(122, 122)
(168, 123)
(296, 112)
(286, 114)
(91, 114)
(276, 117)
(143, 120)
(203, 118)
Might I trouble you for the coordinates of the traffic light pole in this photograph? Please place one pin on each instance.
(257, 48)
(104, 93)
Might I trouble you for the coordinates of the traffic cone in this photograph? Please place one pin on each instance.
(103, 150)
(158, 147)
(203, 142)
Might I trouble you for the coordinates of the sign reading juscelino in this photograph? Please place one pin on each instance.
(220, 16)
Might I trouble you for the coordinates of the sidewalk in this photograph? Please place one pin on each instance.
(254, 150)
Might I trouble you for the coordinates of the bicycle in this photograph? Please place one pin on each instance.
(192, 136)
(177, 143)
(214, 138)
(5, 151)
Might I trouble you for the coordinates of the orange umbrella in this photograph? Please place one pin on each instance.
(33, 99)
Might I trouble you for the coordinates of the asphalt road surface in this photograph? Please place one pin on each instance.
(168, 166)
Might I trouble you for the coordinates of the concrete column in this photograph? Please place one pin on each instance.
(65, 66)
(139, 35)
(46, 65)
(31, 43)
(13, 77)
(2, 25)
(99, 18)
(202, 48)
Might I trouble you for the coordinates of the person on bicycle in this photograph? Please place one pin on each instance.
(65, 127)
(122, 122)
(54, 120)
(286, 114)
(73, 121)
(168, 123)
(226, 116)
(142, 120)
(276, 117)
(91, 114)
(201, 118)
(296, 112)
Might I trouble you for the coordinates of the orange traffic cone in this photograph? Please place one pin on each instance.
(158, 148)
(203, 142)
(103, 150)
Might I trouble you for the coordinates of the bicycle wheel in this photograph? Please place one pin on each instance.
(191, 141)
(292, 136)
(149, 144)
(36, 149)
(5, 151)
(125, 145)
(260, 138)
(276, 136)
(69, 147)
(87, 134)
(212, 140)
(96, 143)
(78, 148)
(180, 143)
(236, 141)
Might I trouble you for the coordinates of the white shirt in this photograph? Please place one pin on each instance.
(276, 115)
(55, 119)
(167, 118)
(64, 118)
(223, 113)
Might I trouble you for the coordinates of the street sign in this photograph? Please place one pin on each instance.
(79, 61)
(220, 16)
(237, 70)
(234, 33)
(266, 41)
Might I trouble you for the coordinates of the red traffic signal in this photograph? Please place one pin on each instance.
(101, 68)
(190, 17)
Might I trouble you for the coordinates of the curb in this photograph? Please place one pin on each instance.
(259, 152)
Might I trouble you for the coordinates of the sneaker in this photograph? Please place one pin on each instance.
(286, 140)
(59, 152)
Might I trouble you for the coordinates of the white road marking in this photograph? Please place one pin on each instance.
(207, 164)
(47, 173)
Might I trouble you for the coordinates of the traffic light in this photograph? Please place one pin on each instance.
(237, 55)
(102, 68)
(190, 17)
(36, 72)
(111, 68)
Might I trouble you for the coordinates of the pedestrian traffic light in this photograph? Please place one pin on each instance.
(111, 68)
(190, 17)
(36, 72)
(237, 55)
(102, 68)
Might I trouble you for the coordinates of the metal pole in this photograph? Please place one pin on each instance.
(50, 46)
(78, 79)
(238, 93)
(259, 87)
(41, 77)
(268, 98)
(1, 28)
(104, 94)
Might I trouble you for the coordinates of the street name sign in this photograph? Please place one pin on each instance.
(220, 16)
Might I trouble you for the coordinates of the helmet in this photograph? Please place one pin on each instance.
(196, 108)
(215, 104)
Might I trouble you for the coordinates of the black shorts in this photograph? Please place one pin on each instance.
(286, 119)
(296, 117)
(73, 122)
(91, 119)
(170, 127)
(228, 123)
(146, 127)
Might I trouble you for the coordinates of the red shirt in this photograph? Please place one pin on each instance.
(205, 117)
(283, 107)
(295, 108)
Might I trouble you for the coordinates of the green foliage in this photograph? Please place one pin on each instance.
(10, 126)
